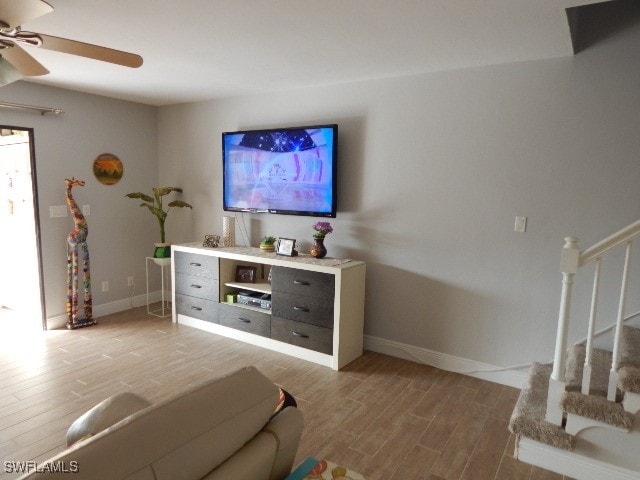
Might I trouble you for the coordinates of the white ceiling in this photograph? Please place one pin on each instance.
(197, 50)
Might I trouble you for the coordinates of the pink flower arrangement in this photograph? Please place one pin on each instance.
(322, 229)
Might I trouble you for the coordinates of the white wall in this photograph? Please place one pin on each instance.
(120, 233)
(433, 170)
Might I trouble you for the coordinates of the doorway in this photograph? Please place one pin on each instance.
(21, 289)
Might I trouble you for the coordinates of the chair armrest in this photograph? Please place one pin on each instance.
(104, 415)
(286, 427)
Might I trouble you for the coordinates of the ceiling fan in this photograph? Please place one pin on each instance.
(16, 62)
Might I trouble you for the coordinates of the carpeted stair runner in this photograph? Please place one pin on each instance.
(600, 366)
(594, 406)
(629, 365)
(528, 417)
(629, 379)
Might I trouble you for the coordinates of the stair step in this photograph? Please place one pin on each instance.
(629, 365)
(600, 367)
(629, 379)
(597, 408)
(528, 417)
(630, 347)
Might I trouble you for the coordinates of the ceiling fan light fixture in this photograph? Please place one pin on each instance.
(12, 38)
(8, 74)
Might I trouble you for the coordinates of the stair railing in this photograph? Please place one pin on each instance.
(571, 260)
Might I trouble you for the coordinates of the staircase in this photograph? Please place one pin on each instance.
(580, 416)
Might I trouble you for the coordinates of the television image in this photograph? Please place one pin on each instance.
(289, 171)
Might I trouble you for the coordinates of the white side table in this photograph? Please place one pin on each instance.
(164, 310)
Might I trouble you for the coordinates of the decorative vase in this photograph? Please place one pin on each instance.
(162, 250)
(228, 231)
(318, 249)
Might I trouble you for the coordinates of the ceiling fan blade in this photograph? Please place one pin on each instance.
(15, 12)
(90, 51)
(23, 62)
(8, 74)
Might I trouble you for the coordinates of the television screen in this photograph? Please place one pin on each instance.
(287, 170)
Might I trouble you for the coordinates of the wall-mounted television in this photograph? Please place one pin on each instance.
(289, 171)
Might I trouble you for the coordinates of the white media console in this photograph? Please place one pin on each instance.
(316, 305)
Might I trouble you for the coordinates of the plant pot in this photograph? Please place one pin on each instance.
(162, 250)
(267, 248)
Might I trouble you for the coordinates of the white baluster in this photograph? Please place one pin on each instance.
(613, 374)
(586, 370)
(568, 266)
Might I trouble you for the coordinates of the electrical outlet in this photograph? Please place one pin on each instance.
(130, 282)
(105, 286)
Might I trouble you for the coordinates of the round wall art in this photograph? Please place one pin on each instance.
(108, 169)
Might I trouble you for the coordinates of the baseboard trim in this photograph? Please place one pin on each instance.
(569, 463)
(60, 320)
(444, 361)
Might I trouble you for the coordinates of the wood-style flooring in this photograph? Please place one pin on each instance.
(385, 417)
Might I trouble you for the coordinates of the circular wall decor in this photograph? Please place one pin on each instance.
(107, 169)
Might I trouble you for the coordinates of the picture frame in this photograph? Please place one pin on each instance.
(211, 241)
(245, 274)
(286, 247)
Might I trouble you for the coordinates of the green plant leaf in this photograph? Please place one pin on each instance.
(179, 203)
(140, 195)
(162, 191)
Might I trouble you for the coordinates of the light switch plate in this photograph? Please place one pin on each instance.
(56, 211)
(520, 225)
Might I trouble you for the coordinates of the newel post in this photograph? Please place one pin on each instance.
(569, 260)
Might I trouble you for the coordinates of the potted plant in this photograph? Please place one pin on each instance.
(155, 205)
(267, 244)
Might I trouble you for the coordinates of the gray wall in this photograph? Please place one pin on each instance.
(120, 233)
(433, 170)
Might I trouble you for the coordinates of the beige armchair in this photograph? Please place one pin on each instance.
(221, 429)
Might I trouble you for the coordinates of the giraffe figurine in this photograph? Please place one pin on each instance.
(77, 250)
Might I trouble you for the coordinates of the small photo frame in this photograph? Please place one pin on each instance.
(211, 241)
(286, 246)
(245, 274)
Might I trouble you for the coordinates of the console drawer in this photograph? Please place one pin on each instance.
(194, 264)
(316, 311)
(197, 308)
(302, 282)
(196, 286)
(302, 334)
(250, 321)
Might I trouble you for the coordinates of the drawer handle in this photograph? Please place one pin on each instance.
(195, 264)
(244, 320)
(298, 334)
(300, 282)
(300, 309)
(197, 309)
(196, 286)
